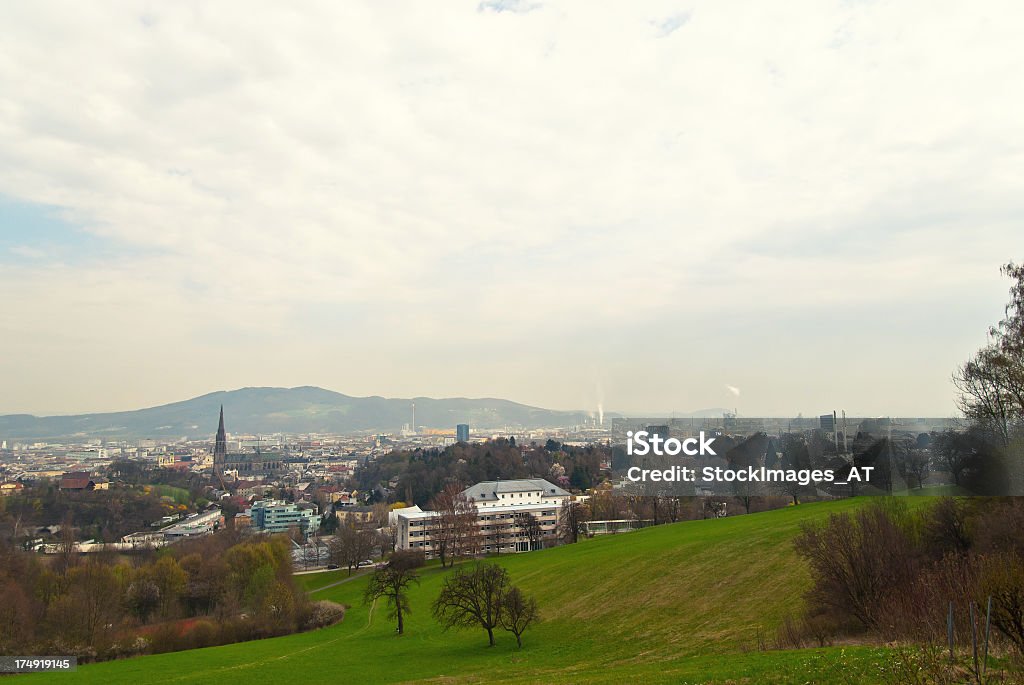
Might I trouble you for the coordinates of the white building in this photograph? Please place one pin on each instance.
(501, 506)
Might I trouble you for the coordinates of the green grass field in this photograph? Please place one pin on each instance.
(680, 603)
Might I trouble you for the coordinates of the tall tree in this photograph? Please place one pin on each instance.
(455, 524)
(991, 384)
(393, 581)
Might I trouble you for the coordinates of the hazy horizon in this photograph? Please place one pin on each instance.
(612, 411)
(675, 204)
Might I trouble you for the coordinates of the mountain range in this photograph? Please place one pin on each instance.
(304, 409)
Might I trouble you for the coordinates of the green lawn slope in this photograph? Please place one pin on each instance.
(680, 603)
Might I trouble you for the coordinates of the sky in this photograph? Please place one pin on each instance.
(777, 208)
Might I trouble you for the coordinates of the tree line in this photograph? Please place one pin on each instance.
(892, 572)
(213, 590)
(419, 475)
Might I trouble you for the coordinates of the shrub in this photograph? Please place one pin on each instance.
(1002, 578)
(324, 613)
(859, 560)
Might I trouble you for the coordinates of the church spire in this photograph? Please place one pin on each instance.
(220, 447)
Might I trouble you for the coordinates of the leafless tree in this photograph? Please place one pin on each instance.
(529, 527)
(350, 546)
(517, 613)
(455, 531)
(991, 384)
(393, 581)
(311, 554)
(571, 520)
(917, 463)
(473, 597)
(387, 539)
(501, 531)
(68, 554)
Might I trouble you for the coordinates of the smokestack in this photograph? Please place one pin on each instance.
(835, 430)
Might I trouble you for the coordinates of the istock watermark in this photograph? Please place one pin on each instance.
(642, 443)
(691, 466)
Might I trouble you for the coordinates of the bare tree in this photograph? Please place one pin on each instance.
(604, 505)
(529, 527)
(955, 451)
(386, 539)
(501, 531)
(311, 554)
(455, 529)
(916, 464)
(350, 546)
(473, 597)
(392, 581)
(572, 519)
(991, 384)
(68, 553)
(517, 613)
(673, 509)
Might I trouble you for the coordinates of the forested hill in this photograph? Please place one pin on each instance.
(289, 410)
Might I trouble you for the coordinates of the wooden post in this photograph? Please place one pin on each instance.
(988, 623)
(949, 631)
(974, 638)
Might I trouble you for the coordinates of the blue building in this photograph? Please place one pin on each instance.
(275, 516)
(462, 432)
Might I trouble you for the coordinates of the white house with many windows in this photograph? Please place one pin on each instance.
(501, 507)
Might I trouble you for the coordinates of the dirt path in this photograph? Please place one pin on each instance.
(358, 574)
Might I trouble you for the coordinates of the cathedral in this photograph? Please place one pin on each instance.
(253, 464)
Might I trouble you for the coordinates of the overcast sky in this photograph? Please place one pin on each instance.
(774, 207)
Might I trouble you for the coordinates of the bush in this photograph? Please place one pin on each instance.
(858, 561)
(1002, 578)
(324, 613)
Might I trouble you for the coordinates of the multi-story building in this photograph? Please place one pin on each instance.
(462, 432)
(275, 516)
(511, 516)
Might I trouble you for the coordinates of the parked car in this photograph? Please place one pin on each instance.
(331, 567)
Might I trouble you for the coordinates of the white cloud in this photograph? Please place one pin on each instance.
(458, 180)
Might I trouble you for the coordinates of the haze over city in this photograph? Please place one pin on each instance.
(650, 208)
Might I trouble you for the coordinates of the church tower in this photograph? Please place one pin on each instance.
(220, 447)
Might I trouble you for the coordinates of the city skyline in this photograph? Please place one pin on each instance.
(672, 206)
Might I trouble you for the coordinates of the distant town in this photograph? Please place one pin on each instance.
(308, 484)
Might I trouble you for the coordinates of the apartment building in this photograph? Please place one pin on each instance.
(274, 516)
(502, 526)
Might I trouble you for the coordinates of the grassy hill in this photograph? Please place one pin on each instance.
(676, 603)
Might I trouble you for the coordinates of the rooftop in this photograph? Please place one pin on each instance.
(488, 490)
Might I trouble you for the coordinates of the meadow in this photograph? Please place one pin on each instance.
(682, 603)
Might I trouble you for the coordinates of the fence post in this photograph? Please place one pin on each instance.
(949, 631)
(988, 623)
(974, 639)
